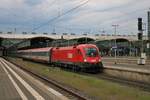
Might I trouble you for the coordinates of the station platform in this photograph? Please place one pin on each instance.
(126, 64)
(7, 89)
(16, 84)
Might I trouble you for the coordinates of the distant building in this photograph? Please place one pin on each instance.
(64, 33)
(34, 33)
(24, 32)
(73, 34)
(45, 33)
(9, 32)
(53, 33)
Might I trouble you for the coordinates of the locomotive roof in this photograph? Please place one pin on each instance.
(77, 46)
(87, 45)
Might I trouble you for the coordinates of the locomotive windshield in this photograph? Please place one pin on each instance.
(91, 52)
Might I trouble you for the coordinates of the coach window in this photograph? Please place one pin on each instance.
(32, 53)
(40, 53)
(43, 53)
(46, 53)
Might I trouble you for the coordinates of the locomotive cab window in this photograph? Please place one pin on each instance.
(91, 52)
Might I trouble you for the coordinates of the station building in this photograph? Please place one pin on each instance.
(126, 44)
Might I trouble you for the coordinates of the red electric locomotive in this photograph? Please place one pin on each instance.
(83, 57)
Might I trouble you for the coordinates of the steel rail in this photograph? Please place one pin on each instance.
(53, 82)
(137, 84)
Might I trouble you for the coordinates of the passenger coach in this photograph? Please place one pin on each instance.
(83, 57)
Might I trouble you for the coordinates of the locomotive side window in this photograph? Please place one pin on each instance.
(91, 52)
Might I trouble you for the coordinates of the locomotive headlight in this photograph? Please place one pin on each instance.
(85, 60)
(99, 60)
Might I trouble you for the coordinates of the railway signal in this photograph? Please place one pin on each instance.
(140, 24)
(140, 29)
(140, 36)
(141, 60)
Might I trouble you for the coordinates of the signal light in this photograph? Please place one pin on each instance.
(140, 24)
(140, 36)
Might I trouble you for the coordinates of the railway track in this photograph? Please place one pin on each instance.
(141, 85)
(123, 60)
(70, 93)
(77, 96)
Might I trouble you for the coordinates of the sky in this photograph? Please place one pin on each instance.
(94, 17)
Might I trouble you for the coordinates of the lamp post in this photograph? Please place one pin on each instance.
(115, 30)
(144, 25)
(148, 32)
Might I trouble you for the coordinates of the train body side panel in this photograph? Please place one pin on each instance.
(67, 54)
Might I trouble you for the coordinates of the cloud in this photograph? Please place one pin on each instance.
(96, 15)
(8, 4)
(32, 2)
